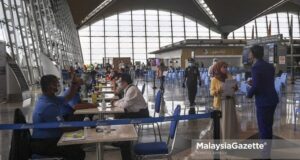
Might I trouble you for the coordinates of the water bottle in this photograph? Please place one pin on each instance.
(103, 104)
(85, 129)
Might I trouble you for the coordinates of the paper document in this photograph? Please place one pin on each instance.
(71, 136)
(228, 88)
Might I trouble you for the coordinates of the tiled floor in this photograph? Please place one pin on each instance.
(188, 130)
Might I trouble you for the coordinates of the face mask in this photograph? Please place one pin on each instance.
(190, 64)
(119, 84)
(57, 93)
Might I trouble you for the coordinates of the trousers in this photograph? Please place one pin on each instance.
(192, 91)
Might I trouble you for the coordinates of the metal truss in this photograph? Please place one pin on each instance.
(37, 27)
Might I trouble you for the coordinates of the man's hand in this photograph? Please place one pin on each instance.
(113, 103)
(235, 88)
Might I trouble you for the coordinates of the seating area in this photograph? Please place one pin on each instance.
(149, 79)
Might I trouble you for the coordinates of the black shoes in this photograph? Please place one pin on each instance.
(192, 111)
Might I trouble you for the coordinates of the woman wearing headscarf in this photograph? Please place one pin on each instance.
(229, 123)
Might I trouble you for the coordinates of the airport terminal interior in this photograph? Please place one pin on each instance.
(149, 79)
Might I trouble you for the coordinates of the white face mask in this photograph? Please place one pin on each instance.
(190, 64)
(119, 84)
(58, 91)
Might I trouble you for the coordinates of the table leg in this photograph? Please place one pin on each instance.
(99, 151)
(101, 117)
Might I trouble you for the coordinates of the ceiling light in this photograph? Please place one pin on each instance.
(96, 10)
(207, 10)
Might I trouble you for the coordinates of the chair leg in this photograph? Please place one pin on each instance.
(295, 121)
(154, 131)
(159, 134)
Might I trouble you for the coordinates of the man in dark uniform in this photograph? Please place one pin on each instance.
(191, 77)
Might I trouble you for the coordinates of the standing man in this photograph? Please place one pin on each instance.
(266, 98)
(191, 77)
(160, 74)
(210, 69)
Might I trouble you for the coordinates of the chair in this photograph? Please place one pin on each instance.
(238, 78)
(159, 149)
(278, 86)
(296, 112)
(157, 107)
(20, 142)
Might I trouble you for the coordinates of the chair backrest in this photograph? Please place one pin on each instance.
(143, 88)
(20, 142)
(173, 124)
(278, 85)
(157, 102)
(283, 77)
(206, 81)
(238, 78)
(243, 87)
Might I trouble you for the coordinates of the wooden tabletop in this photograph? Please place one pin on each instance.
(118, 133)
(101, 110)
(107, 85)
(106, 90)
(108, 96)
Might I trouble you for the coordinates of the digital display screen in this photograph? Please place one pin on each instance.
(245, 56)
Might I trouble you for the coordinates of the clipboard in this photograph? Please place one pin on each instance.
(228, 88)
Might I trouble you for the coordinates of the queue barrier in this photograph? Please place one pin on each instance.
(214, 115)
(103, 122)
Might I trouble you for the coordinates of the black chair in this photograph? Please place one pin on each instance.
(20, 142)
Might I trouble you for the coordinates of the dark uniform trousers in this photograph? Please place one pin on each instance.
(192, 75)
(192, 91)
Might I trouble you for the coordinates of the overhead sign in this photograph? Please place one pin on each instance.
(269, 39)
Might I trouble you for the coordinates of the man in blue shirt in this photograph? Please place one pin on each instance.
(48, 109)
(266, 98)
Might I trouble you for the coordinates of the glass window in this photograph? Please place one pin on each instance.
(261, 26)
(134, 32)
(270, 20)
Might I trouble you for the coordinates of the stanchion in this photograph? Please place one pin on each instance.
(216, 115)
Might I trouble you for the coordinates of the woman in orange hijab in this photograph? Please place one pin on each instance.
(229, 123)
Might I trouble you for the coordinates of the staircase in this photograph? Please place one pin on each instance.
(18, 74)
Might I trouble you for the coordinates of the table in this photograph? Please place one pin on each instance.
(107, 85)
(106, 90)
(100, 110)
(118, 133)
(107, 97)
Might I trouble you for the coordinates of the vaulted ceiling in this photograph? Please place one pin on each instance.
(231, 14)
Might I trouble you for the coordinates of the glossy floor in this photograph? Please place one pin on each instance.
(187, 130)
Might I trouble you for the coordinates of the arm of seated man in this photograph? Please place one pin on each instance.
(84, 106)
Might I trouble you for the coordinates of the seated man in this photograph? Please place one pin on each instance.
(133, 101)
(134, 105)
(48, 109)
